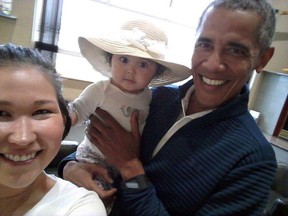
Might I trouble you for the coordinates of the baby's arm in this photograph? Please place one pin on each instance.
(73, 114)
(85, 105)
(74, 118)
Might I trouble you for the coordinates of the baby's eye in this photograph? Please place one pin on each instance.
(124, 59)
(143, 64)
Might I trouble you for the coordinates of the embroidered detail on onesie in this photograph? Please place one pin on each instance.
(127, 110)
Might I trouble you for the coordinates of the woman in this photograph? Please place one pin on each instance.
(33, 121)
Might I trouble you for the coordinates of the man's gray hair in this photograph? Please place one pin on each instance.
(263, 8)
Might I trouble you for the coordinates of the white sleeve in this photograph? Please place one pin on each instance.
(65, 198)
(89, 205)
(91, 97)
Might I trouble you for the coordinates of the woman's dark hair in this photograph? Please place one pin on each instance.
(17, 56)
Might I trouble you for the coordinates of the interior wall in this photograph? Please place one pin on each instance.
(19, 30)
(73, 88)
(279, 60)
(270, 99)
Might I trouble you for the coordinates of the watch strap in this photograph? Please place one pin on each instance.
(137, 183)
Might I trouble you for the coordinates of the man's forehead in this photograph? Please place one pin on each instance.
(229, 22)
(222, 13)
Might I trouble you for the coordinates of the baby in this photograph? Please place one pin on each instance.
(132, 60)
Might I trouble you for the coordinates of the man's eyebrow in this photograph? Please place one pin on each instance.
(232, 43)
(204, 39)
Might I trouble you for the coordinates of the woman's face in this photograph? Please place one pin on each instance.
(31, 125)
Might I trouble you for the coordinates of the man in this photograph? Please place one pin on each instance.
(201, 152)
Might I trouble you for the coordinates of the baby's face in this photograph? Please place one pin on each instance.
(132, 74)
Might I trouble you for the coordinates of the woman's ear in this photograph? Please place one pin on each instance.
(63, 104)
(264, 59)
(67, 124)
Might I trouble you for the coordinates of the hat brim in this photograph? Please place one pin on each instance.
(94, 50)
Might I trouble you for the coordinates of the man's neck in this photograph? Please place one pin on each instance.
(194, 106)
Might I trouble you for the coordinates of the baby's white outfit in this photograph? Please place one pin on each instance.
(119, 104)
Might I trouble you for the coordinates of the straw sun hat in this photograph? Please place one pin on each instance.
(136, 38)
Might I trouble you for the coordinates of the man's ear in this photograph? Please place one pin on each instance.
(264, 59)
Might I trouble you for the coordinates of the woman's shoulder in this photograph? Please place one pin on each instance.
(65, 188)
(65, 197)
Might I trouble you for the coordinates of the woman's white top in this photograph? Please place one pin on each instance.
(65, 198)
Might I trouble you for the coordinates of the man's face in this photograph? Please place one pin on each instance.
(226, 52)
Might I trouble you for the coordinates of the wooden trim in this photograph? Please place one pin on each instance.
(282, 118)
(8, 16)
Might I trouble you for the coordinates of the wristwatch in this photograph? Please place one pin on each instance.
(138, 183)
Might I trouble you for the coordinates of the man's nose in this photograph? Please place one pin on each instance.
(214, 62)
(22, 132)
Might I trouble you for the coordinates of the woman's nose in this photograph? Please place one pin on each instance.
(22, 132)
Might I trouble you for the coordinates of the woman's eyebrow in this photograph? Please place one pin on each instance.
(41, 102)
(38, 102)
(4, 103)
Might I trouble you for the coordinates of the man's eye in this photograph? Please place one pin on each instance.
(236, 52)
(203, 45)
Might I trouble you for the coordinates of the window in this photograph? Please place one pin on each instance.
(6, 7)
(179, 19)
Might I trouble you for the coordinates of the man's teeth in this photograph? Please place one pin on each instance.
(20, 158)
(213, 82)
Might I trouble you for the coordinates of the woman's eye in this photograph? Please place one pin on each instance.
(5, 116)
(41, 112)
(4, 113)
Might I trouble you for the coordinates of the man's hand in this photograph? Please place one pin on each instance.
(120, 147)
(82, 174)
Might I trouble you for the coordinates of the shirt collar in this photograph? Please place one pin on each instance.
(185, 102)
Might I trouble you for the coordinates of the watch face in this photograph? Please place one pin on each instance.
(132, 185)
